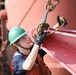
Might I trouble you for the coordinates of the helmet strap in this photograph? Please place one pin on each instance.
(22, 46)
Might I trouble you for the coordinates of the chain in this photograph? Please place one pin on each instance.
(48, 2)
(27, 12)
(56, 30)
(51, 6)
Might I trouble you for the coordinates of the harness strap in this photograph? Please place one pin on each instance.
(40, 59)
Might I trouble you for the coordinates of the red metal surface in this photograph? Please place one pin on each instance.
(55, 67)
(16, 9)
(62, 47)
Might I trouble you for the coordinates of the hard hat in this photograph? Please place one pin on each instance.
(15, 34)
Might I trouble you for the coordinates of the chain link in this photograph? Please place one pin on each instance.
(51, 6)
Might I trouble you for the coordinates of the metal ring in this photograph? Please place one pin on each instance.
(50, 6)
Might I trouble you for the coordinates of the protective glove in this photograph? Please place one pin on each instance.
(61, 20)
(40, 38)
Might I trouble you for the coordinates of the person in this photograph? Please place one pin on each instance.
(28, 58)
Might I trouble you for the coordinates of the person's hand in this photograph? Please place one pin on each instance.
(61, 20)
(40, 38)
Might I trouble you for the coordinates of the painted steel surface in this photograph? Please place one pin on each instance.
(60, 45)
(16, 9)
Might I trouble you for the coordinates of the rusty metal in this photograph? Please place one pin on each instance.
(50, 5)
(4, 45)
(61, 18)
(3, 17)
(2, 3)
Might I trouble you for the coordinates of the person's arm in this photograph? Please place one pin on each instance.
(42, 53)
(30, 60)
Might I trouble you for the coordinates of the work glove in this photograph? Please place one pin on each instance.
(61, 20)
(40, 38)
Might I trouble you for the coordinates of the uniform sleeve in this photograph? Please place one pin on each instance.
(17, 63)
(41, 53)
